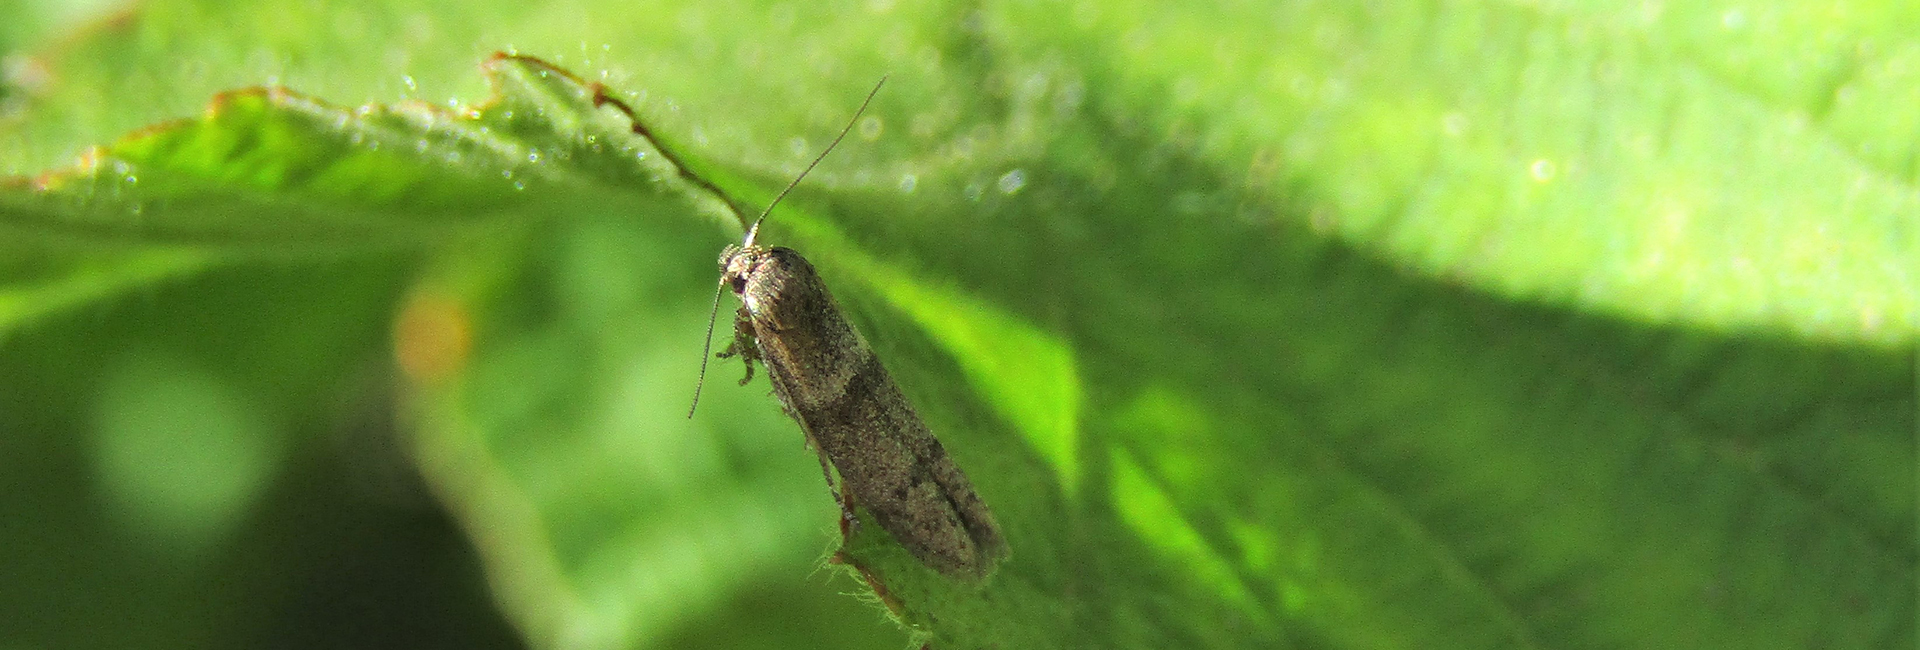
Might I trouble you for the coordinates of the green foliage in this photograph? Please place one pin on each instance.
(1308, 325)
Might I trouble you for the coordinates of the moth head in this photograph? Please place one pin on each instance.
(737, 262)
(736, 265)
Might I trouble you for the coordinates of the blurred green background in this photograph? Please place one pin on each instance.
(1283, 324)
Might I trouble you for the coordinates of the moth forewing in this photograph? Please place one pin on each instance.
(852, 413)
(855, 416)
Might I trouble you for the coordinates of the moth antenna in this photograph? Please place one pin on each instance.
(754, 230)
(706, 351)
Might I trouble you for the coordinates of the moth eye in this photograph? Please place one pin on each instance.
(739, 283)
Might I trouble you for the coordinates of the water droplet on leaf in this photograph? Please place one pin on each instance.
(1012, 181)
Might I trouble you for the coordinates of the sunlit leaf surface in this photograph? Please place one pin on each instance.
(1299, 325)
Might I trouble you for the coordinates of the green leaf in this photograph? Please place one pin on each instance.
(1705, 164)
(1312, 325)
(331, 175)
(39, 282)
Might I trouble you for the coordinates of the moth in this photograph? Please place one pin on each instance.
(853, 414)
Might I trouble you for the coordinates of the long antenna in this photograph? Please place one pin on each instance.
(706, 350)
(755, 228)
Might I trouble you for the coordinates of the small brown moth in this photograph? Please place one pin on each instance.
(854, 416)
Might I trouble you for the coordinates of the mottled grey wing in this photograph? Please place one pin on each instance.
(856, 416)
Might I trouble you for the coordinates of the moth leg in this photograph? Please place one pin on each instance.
(841, 497)
(848, 523)
(743, 344)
